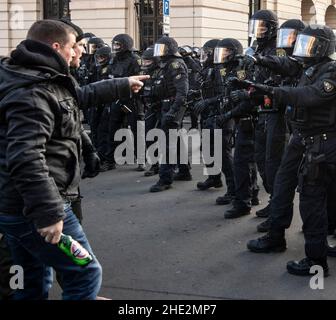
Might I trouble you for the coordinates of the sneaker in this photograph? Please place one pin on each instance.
(160, 186)
(210, 183)
(225, 200)
(303, 267)
(267, 244)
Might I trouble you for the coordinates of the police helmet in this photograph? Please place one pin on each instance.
(165, 47)
(94, 44)
(226, 50)
(149, 62)
(185, 51)
(122, 43)
(208, 50)
(315, 42)
(288, 32)
(263, 26)
(103, 55)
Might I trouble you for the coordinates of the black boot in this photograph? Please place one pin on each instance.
(225, 200)
(264, 213)
(265, 226)
(107, 166)
(269, 243)
(255, 200)
(160, 186)
(235, 213)
(154, 170)
(210, 183)
(183, 176)
(303, 267)
(331, 251)
(140, 168)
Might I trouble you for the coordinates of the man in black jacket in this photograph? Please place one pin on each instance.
(39, 158)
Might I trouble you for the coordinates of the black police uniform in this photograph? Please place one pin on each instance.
(194, 76)
(152, 104)
(123, 64)
(270, 131)
(171, 87)
(314, 117)
(174, 77)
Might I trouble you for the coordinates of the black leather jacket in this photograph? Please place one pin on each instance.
(40, 143)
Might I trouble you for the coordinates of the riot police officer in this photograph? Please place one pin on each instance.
(194, 71)
(226, 65)
(286, 181)
(171, 88)
(150, 66)
(270, 131)
(208, 78)
(124, 63)
(99, 116)
(314, 117)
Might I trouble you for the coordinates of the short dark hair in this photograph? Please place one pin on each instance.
(78, 29)
(50, 31)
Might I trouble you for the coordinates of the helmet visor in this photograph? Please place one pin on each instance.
(205, 54)
(286, 38)
(258, 29)
(91, 48)
(307, 47)
(116, 47)
(160, 50)
(221, 55)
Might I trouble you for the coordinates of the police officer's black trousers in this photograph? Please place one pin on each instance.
(270, 145)
(226, 149)
(315, 183)
(245, 168)
(285, 184)
(95, 118)
(152, 121)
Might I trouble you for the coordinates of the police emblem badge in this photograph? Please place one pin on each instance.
(328, 87)
(241, 74)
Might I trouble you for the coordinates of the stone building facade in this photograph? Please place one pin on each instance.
(192, 22)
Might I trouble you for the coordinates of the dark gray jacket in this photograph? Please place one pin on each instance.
(40, 129)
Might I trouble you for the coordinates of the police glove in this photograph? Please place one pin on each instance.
(223, 119)
(199, 107)
(92, 165)
(263, 89)
(239, 96)
(170, 117)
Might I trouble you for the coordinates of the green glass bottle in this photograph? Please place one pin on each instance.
(75, 251)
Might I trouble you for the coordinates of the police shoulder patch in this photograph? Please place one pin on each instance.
(328, 86)
(241, 74)
(223, 72)
(176, 65)
(139, 62)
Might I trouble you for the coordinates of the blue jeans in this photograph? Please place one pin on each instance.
(37, 258)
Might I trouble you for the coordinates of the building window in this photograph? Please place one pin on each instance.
(150, 20)
(255, 5)
(308, 12)
(56, 9)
